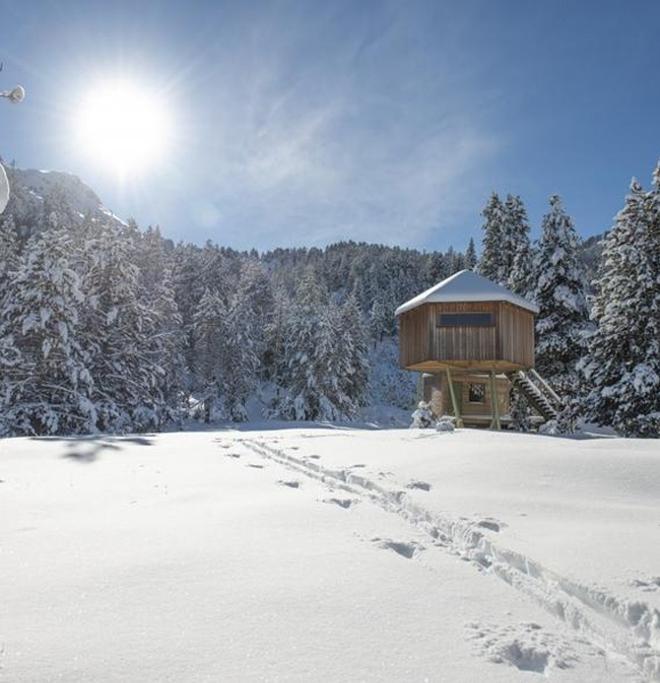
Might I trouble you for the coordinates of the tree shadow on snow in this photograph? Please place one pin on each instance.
(87, 449)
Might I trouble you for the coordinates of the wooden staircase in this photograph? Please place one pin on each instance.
(538, 393)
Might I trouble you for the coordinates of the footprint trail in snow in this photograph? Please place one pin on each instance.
(625, 628)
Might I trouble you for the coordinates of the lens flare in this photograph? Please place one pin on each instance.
(123, 126)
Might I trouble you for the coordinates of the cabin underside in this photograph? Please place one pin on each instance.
(472, 396)
(484, 366)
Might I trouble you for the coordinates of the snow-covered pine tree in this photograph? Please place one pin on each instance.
(491, 262)
(189, 287)
(319, 374)
(256, 295)
(353, 333)
(379, 319)
(563, 320)
(623, 365)
(9, 353)
(275, 333)
(240, 363)
(382, 322)
(122, 335)
(48, 388)
(654, 227)
(521, 278)
(57, 210)
(217, 271)
(507, 260)
(157, 295)
(456, 261)
(517, 259)
(471, 255)
(436, 269)
(210, 329)
(9, 255)
(331, 368)
(301, 375)
(242, 346)
(450, 261)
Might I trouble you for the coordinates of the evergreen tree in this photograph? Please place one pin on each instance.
(189, 287)
(301, 376)
(325, 368)
(210, 328)
(491, 264)
(517, 262)
(58, 212)
(353, 332)
(331, 367)
(562, 322)
(382, 321)
(521, 278)
(471, 255)
(9, 256)
(122, 335)
(242, 345)
(9, 263)
(623, 366)
(47, 386)
(275, 334)
(379, 319)
(256, 296)
(450, 261)
(456, 261)
(158, 296)
(436, 269)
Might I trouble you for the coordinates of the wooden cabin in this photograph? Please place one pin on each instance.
(469, 337)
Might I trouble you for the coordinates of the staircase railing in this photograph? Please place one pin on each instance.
(538, 392)
(548, 389)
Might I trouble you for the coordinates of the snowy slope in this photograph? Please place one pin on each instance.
(328, 554)
(39, 183)
(43, 182)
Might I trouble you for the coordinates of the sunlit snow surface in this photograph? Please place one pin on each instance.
(323, 553)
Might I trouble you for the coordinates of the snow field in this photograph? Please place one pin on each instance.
(628, 626)
(273, 555)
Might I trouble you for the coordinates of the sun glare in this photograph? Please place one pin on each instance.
(124, 127)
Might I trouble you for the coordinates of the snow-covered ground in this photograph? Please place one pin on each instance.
(320, 553)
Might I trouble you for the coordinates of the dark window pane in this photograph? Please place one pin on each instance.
(466, 319)
(477, 393)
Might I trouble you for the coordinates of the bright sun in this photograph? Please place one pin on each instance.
(123, 126)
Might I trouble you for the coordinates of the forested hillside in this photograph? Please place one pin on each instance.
(106, 326)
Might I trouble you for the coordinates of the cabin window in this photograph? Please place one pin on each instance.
(465, 320)
(477, 393)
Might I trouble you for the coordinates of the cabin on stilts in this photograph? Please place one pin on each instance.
(471, 340)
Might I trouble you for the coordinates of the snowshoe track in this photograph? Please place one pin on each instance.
(526, 646)
(403, 548)
(629, 628)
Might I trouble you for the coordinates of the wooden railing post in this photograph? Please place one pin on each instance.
(495, 424)
(454, 402)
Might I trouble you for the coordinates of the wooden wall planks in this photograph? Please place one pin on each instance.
(509, 342)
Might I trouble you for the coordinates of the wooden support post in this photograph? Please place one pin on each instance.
(454, 402)
(420, 388)
(495, 424)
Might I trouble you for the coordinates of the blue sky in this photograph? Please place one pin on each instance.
(303, 123)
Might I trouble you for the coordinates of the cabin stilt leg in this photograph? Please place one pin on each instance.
(420, 388)
(454, 402)
(495, 424)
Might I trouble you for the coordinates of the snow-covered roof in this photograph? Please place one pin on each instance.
(466, 286)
